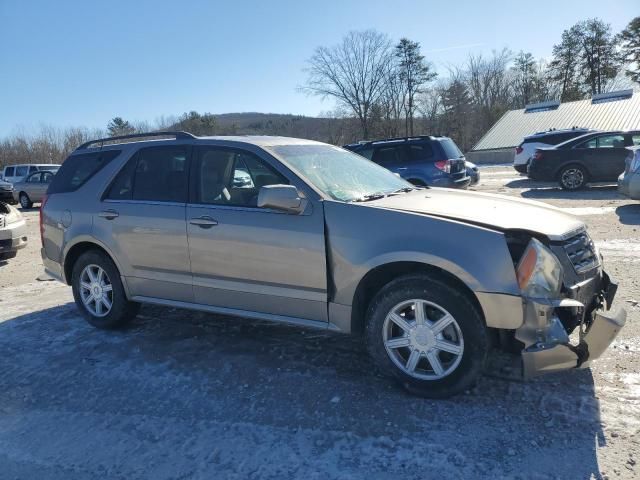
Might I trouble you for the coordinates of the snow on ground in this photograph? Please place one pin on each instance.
(191, 395)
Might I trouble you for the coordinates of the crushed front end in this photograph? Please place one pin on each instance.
(567, 301)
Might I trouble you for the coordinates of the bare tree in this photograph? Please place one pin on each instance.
(489, 87)
(352, 72)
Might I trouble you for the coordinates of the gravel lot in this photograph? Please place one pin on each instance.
(190, 395)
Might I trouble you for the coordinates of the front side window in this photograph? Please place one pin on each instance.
(35, 178)
(46, 177)
(231, 177)
(22, 171)
(156, 174)
(338, 173)
(33, 169)
(611, 141)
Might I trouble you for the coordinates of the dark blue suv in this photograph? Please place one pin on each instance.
(422, 160)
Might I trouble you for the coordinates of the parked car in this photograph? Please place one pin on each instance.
(33, 188)
(327, 239)
(422, 160)
(13, 231)
(17, 173)
(629, 180)
(550, 138)
(472, 172)
(594, 157)
(6, 192)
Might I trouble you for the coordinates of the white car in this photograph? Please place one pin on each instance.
(13, 231)
(17, 173)
(529, 144)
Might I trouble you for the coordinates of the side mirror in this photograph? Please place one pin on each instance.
(281, 197)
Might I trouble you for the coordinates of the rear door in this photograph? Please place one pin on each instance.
(391, 157)
(142, 220)
(248, 258)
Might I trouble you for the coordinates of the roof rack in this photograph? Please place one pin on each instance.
(395, 139)
(101, 141)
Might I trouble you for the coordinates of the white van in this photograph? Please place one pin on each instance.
(17, 173)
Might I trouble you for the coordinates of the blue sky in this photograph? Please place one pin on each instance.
(71, 63)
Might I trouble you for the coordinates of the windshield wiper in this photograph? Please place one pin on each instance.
(370, 196)
(405, 189)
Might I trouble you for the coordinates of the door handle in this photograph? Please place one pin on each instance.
(203, 222)
(108, 214)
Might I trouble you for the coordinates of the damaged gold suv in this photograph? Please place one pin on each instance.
(318, 236)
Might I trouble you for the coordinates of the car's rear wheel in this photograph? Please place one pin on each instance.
(572, 177)
(99, 293)
(25, 201)
(428, 335)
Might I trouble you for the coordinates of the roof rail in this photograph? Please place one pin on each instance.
(101, 141)
(395, 139)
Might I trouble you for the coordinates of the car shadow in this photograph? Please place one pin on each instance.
(596, 192)
(188, 393)
(629, 214)
(32, 209)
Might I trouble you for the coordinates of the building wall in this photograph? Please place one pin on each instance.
(484, 157)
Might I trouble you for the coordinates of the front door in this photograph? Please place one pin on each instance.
(247, 258)
(142, 220)
(604, 156)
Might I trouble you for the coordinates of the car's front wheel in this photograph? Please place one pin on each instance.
(99, 293)
(428, 335)
(573, 177)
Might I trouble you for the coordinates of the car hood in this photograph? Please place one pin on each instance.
(486, 209)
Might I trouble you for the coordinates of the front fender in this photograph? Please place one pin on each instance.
(361, 237)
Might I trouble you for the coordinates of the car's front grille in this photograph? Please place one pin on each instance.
(581, 252)
(2, 221)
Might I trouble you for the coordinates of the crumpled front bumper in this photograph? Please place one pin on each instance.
(547, 345)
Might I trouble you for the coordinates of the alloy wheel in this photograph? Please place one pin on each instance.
(423, 339)
(572, 178)
(96, 290)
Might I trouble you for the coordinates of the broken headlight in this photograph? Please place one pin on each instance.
(539, 272)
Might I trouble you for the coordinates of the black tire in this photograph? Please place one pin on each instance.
(471, 325)
(8, 255)
(25, 201)
(122, 310)
(572, 177)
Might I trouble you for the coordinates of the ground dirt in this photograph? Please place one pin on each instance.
(190, 395)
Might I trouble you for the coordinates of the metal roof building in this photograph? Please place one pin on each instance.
(608, 111)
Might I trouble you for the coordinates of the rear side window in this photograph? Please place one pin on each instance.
(389, 155)
(366, 153)
(450, 148)
(8, 172)
(77, 169)
(420, 152)
(156, 174)
(22, 171)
